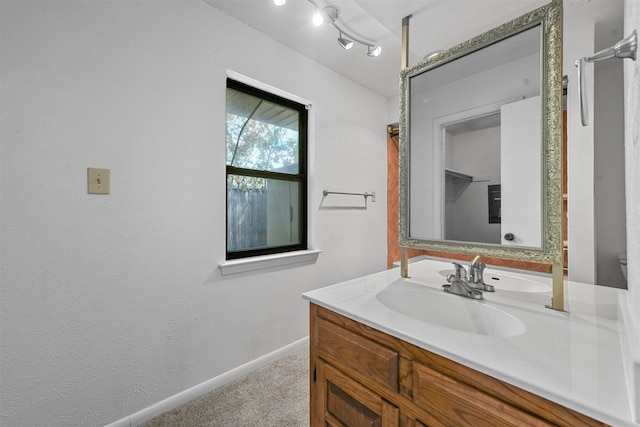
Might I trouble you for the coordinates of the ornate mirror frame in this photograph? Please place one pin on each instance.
(549, 17)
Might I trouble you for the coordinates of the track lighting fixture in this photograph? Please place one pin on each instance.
(329, 15)
(374, 50)
(346, 44)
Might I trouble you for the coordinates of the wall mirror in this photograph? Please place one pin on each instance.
(480, 144)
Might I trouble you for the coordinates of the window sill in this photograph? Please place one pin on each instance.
(268, 261)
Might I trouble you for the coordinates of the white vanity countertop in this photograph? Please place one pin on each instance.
(573, 358)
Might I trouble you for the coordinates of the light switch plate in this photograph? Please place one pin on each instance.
(99, 181)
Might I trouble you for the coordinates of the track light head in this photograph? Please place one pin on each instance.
(346, 44)
(374, 50)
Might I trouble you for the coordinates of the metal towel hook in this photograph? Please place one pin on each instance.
(625, 48)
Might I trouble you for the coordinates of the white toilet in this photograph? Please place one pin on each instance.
(622, 259)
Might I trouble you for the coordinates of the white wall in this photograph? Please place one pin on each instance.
(595, 164)
(112, 303)
(476, 153)
(580, 161)
(609, 204)
(632, 157)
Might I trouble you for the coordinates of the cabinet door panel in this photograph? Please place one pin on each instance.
(358, 353)
(346, 403)
(348, 410)
(462, 405)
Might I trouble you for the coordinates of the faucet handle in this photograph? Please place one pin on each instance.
(476, 272)
(461, 273)
(481, 266)
(476, 277)
(476, 268)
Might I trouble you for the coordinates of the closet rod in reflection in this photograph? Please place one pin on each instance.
(372, 194)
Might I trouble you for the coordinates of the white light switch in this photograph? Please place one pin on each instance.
(99, 181)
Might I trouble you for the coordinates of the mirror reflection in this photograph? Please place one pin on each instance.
(476, 146)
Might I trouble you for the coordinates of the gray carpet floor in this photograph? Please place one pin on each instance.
(275, 395)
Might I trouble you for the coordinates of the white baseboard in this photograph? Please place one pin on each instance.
(203, 388)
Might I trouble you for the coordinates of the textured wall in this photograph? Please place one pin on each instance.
(609, 198)
(632, 155)
(581, 223)
(112, 303)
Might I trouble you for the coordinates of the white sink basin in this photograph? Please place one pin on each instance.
(450, 311)
(506, 282)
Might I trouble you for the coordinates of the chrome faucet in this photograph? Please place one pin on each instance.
(460, 287)
(476, 279)
(472, 287)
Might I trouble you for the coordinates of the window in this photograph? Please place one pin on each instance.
(266, 157)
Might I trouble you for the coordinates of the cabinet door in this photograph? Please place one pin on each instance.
(341, 402)
(458, 404)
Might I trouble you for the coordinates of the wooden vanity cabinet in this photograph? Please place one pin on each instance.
(363, 377)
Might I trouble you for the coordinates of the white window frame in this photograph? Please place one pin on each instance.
(283, 259)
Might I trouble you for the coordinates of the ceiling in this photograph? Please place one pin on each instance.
(435, 25)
